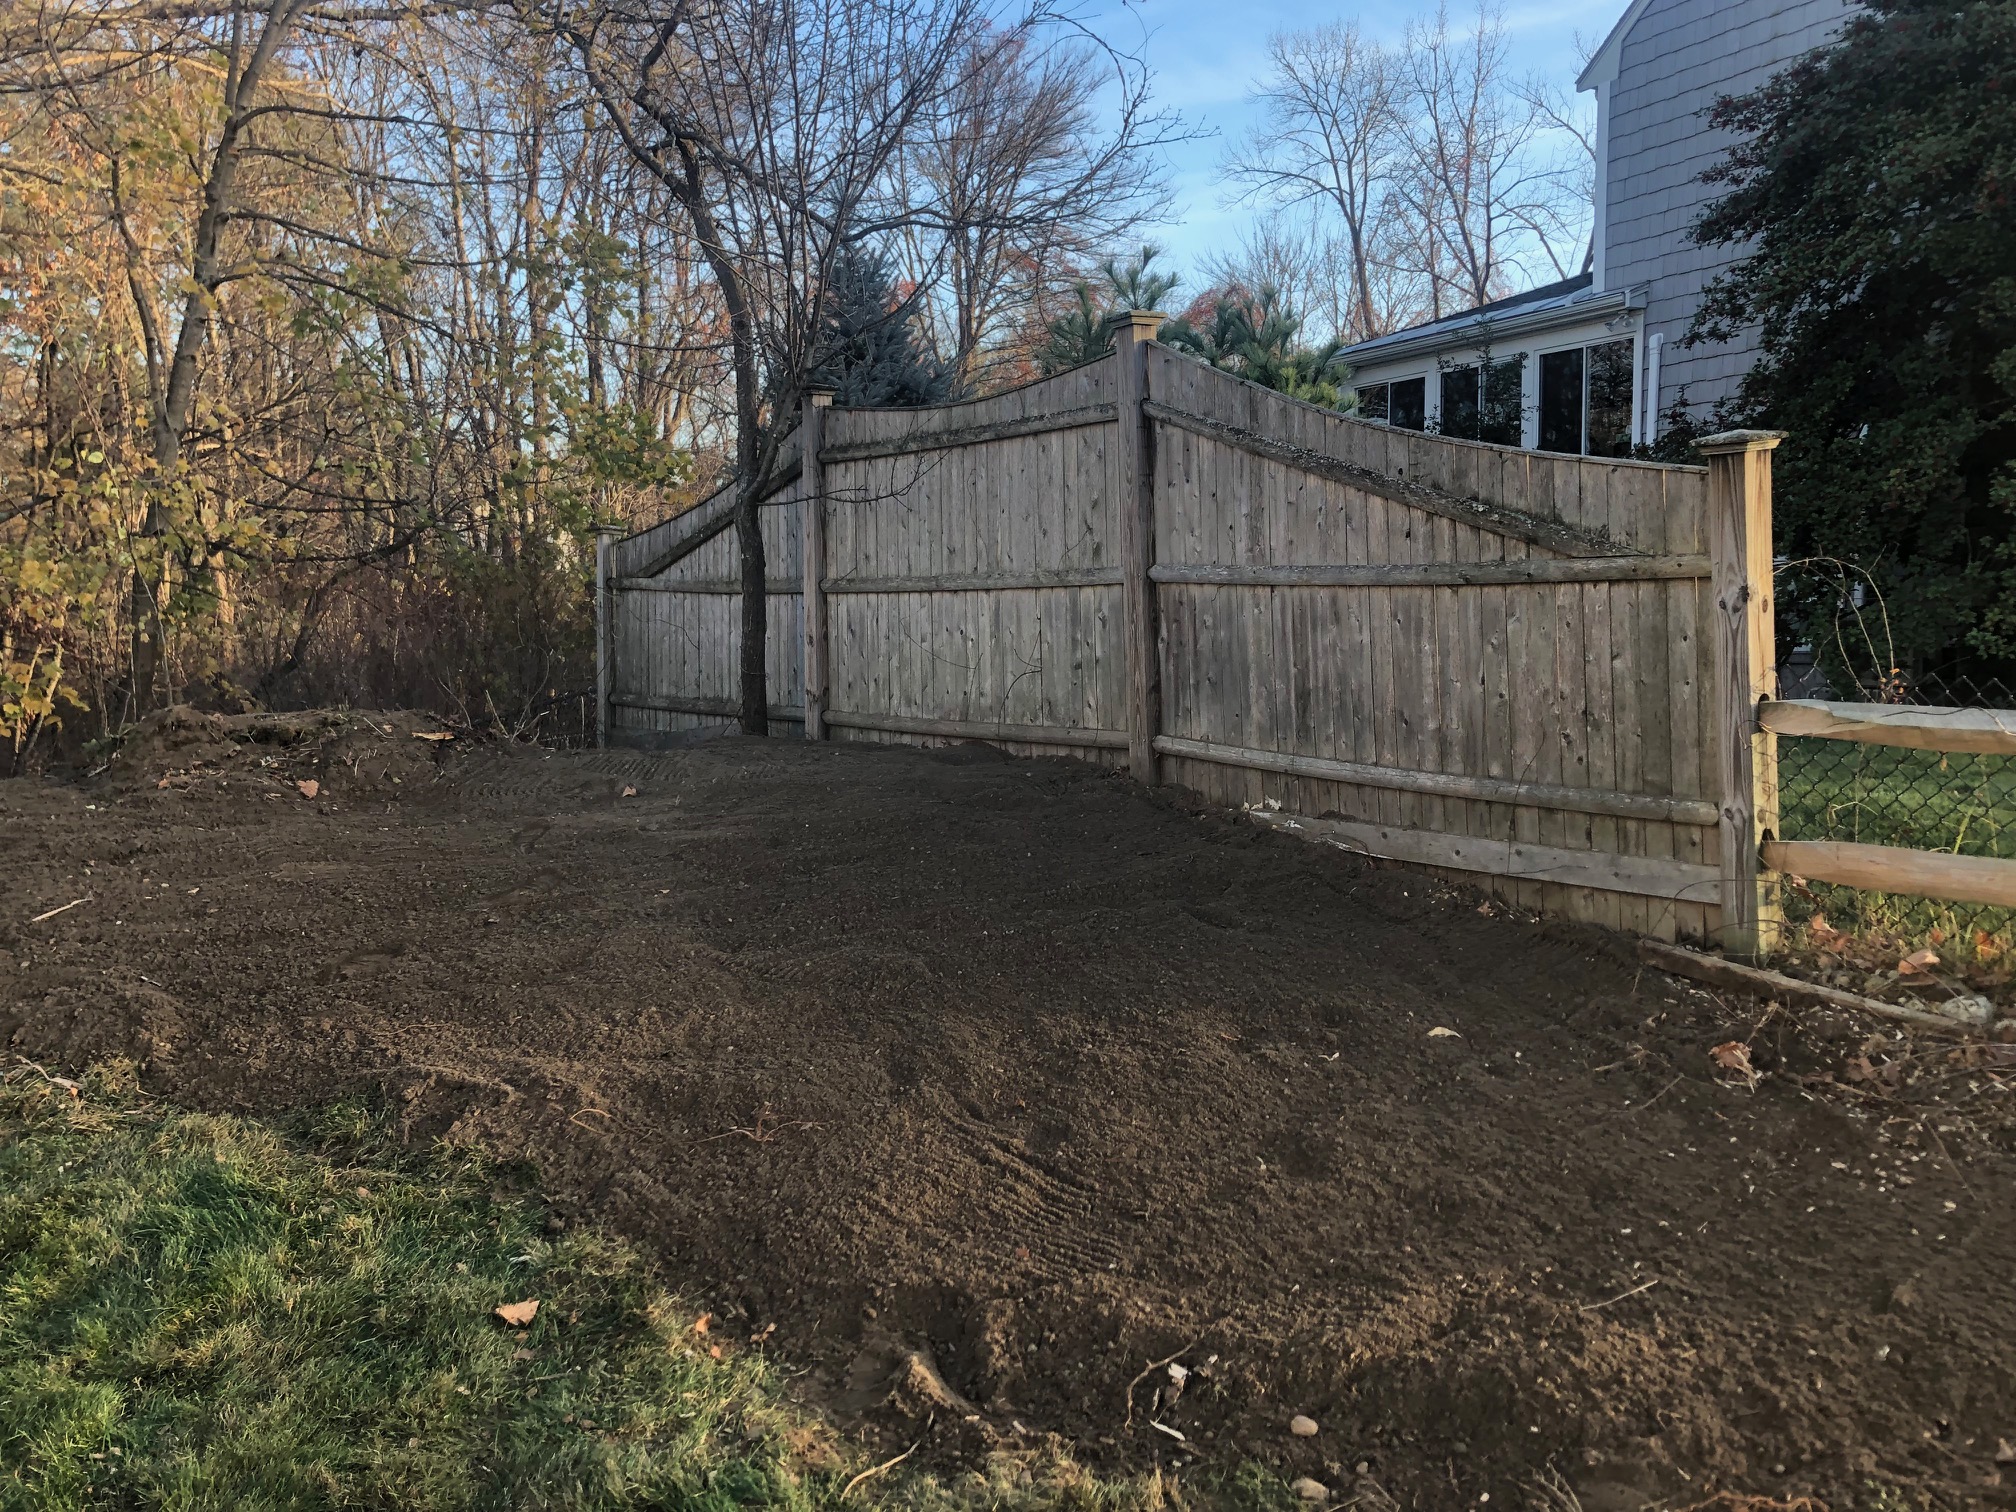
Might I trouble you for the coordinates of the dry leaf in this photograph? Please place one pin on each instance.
(700, 1323)
(309, 787)
(523, 1354)
(1438, 1032)
(628, 791)
(433, 734)
(518, 1314)
(1732, 1055)
(1916, 962)
(714, 1351)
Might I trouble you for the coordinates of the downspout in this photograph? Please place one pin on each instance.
(1650, 430)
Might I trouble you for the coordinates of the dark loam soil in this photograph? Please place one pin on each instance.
(988, 1082)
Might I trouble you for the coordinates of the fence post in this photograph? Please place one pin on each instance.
(603, 671)
(1746, 760)
(1134, 495)
(812, 552)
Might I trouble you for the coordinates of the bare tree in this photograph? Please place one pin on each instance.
(777, 126)
(1483, 195)
(1332, 136)
(1016, 184)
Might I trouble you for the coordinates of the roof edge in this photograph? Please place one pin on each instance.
(1512, 322)
(1602, 65)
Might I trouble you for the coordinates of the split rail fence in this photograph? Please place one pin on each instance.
(1534, 673)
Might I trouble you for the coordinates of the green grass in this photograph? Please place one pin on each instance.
(208, 1312)
(1887, 795)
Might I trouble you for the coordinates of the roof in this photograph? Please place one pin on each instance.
(1602, 65)
(1550, 304)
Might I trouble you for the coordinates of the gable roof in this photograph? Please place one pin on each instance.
(1602, 65)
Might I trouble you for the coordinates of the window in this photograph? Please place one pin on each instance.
(1561, 400)
(1585, 400)
(1407, 403)
(1485, 404)
(1610, 400)
(1403, 404)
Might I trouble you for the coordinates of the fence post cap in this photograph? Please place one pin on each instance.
(820, 395)
(1144, 323)
(1739, 441)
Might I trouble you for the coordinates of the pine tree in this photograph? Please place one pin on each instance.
(873, 358)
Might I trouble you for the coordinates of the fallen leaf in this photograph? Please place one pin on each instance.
(1916, 962)
(700, 1323)
(714, 1351)
(1732, 1055)
(628, 791)
(309, 787)
(1438, 1032)
(433, 734)
(518, 1314)
(523, 1354)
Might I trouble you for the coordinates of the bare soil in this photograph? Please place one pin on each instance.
(970, 1086)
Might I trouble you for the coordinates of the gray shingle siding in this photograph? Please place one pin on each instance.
(1680, 57)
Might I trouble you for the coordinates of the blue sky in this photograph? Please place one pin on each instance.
(1207, 54)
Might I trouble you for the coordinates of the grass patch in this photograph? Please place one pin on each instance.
(206, 1312)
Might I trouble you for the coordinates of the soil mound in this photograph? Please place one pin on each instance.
(338, 753)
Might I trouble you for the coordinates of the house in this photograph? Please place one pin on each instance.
(1592, 364)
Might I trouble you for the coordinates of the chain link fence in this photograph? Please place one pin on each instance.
(1889, 795)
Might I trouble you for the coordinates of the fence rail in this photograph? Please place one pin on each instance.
(1541, 674)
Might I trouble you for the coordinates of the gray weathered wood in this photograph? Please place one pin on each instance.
(1986, 731)
(1504, 858)
(1896, 869)
(983, 582)
(812, 549)
(1532, 529)
(603, 671)
(978, 729)
(1626, 569)
(1134, 495)
(1448, 784)
(929, 438)
(781, 585)
(1739, 541)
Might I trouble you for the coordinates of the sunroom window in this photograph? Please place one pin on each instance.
(1484, 401)
(1403, 403)
(1585, 400)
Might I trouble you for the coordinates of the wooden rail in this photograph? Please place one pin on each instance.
(1448, 784)
(1647, 877)
(1897, 869)
(1982, 731)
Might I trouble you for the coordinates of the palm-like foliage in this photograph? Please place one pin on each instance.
(1254, 336)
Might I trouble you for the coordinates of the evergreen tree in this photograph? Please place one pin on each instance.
(1086, 333)
(1877, 182)
(1255, 336)
(873, 357)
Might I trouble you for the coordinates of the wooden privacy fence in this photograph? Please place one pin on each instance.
(1532, 672)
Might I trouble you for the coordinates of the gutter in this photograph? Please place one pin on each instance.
(1610, 302)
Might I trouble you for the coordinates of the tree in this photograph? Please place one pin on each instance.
(1042, 153)
(1871, 183)
(1085, 333)
(871, 353)
(1255, 335)
(1332, 134)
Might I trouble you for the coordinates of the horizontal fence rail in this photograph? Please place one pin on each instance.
(1546, 675)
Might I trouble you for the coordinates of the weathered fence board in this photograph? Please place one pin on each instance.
(1490, 663)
